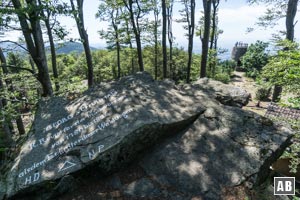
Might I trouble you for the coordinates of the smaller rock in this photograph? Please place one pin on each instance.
(142, 188)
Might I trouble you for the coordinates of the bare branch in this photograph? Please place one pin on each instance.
(22, 68)
(9, 41)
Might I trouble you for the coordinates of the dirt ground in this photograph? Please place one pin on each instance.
(240, 80)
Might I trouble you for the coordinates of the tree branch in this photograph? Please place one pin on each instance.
(9, 41)
(22, 68)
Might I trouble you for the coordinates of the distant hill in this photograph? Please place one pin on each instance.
(69, 47)
(63, 48)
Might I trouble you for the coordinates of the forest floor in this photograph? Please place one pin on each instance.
(240, 80)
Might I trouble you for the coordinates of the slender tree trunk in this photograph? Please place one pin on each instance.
(6, 137)
(136, 30)
(19, 121)
(191, 40)
(156, 13)
(214, 23)
(52, 46)
(164, 37)
(20, 124)
(40, 59)
(205, 39)
(34, 39)
(132, 58)
(53, 54)
(130, 46)
(117, 39)
(139, 50)
(170, 37)
(289, 23)
(32, 64)
(156, 53)
(290, 17)
(118, 59)
(78, 15)
(8, 82)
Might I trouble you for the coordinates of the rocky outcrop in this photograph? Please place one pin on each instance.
(225, 94)
(212, 145)
(224, 148)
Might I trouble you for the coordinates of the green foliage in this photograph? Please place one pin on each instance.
(295, 102)
(223, 70)
(16, 60)
(223, 77)
(262, 93)
(255, 58)
(283, 69)
(294, 150)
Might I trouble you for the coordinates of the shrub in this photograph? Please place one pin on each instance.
(262, 93)
(255, 58)
(223, 77)
(283, 69)
(294, 102)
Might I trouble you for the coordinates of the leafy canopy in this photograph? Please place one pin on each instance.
(283, 69)
(255, 58)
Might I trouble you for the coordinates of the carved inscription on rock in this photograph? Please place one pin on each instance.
(56, 152)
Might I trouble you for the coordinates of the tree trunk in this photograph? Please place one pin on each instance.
(156, 53)
(34, 39)
(191, 40)
(164, 38)
(289, 23)
(118, 59)
(205, 39)
(78, 15)
(5, 133)
(290, 17)
(20, 124)
(214, 23)
(132, 58)
(53, 54)
(170, 37)
(32, 64)
(156, 13)
(46, 19)
(130, 46)
(88, 56)
(276, 93)
(136, 30)
(8, 82)
(117, 39)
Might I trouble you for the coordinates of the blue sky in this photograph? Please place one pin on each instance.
(235, 17)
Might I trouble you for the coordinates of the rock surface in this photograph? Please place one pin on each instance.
(225, 94)
(213, 146)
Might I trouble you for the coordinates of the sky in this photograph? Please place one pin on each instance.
(235, 16)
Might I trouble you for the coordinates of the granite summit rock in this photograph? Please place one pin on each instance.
(112, 123)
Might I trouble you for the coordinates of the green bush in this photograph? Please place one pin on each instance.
(294, 102)
(262, 93)
(255, 58)
(283, 69)
(223, 77)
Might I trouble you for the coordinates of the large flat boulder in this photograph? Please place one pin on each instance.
(111, 124)
(224, 148)
(106, 127)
